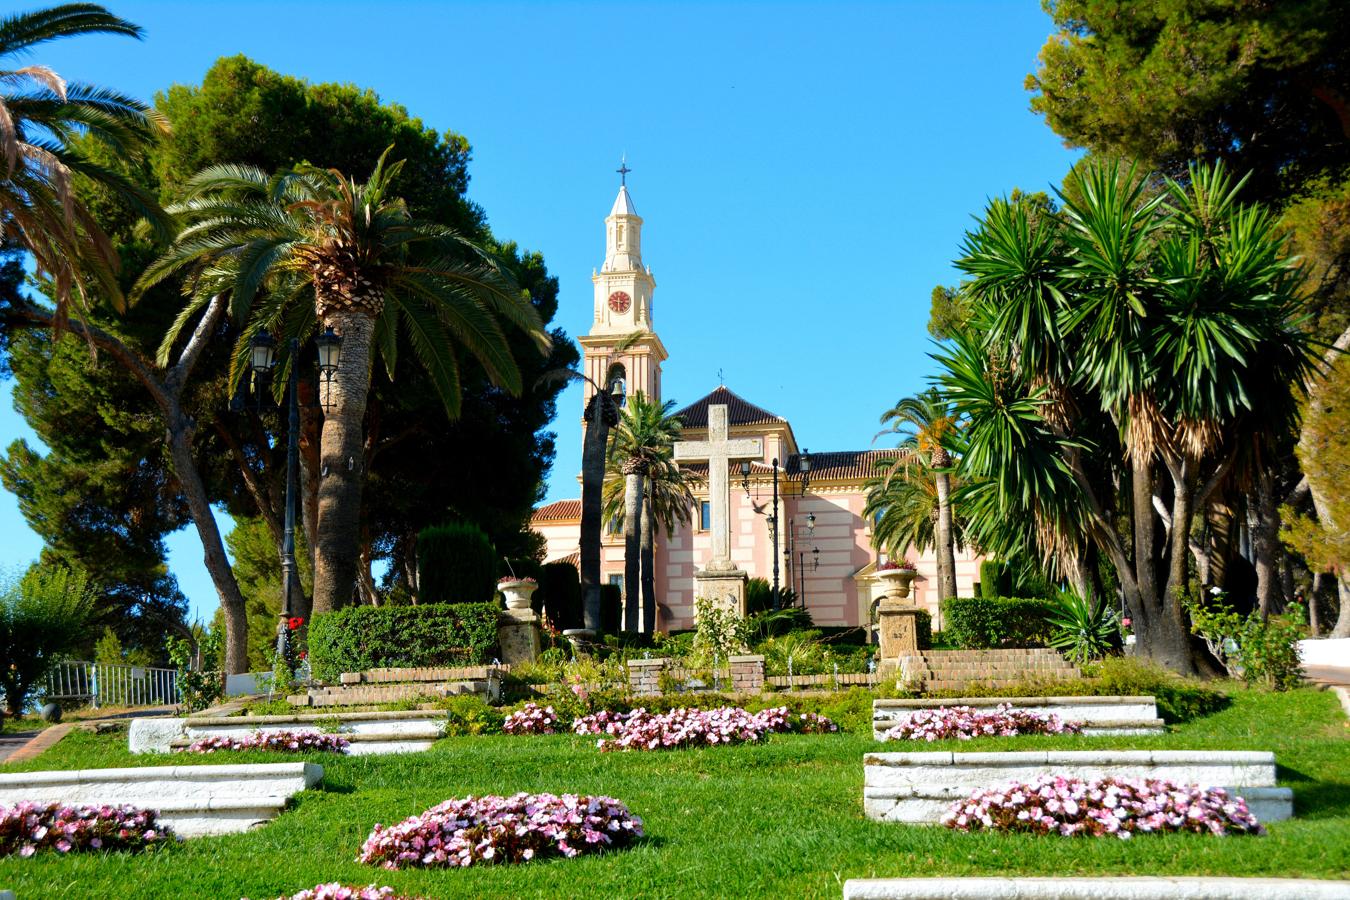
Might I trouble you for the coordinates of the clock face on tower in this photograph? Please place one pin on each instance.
(619, 302)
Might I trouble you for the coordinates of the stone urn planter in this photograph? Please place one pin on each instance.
(898, 581)
(518, 592)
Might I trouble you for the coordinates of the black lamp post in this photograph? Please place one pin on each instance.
(263, 359)
(801, 555)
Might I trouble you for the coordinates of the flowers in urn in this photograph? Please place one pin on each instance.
(511, 579)
(517, 591)
(891, 565)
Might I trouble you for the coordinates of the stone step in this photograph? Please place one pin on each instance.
(370, 743)
(423, 674)
(1000, 667)
(1098, 728)
(363, 695)
(961, 684)
(192, 800)
(1115, 887)
(1027, 653)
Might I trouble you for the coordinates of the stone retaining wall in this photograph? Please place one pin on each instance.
(918, 788)
(1113, 888)
(192, 800)
(1098, 715)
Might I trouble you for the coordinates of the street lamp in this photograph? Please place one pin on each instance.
(263, 361)
(329, 345)
(745, 477)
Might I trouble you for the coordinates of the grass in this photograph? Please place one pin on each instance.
(779, 819)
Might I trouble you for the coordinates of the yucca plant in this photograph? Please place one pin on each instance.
(1084, 629)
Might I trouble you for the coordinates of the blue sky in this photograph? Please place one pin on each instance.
(806, 171)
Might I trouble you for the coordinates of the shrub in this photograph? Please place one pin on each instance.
(358, 638)
(456, 564)
(276, 741)
(198, 687)
(719, 632)
(470, 714)
(1256, 650)
(27, 828)
(43, 616)
(981, 623)
(1179, 699)
(967, 722)
(491, 830)
(1071, 806)
(1083, 630)
(995, 579)
(560, 593)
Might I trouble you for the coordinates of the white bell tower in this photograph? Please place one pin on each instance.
(623, 307)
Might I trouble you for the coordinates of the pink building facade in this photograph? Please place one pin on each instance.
(824, 551)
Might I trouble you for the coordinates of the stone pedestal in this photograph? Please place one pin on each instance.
(724, 588)
(898, 630)
(518, 634)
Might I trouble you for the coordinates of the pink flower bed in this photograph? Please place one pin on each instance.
(1112, 806)
(531, 719)
(966, 722)
(27, 828)
(279, 741)
(337, 891)
(642, 730)
(490, 830)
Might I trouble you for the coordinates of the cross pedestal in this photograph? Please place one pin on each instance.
(720, 580)
(898, 630)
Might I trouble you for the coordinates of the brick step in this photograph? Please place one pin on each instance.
(939, 684)
(984, 672)
(1036, 653)
(998, 663)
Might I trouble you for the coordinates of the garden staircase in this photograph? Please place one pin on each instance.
(377, 686)
(955, 670)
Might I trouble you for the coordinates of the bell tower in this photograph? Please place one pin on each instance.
(622, 344)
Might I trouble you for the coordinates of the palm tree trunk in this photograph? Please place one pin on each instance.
(342, 469)
(648, 621)
(1265, 545)
(945, 552)
(599, 417)
(632, 545)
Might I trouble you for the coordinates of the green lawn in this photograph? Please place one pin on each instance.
(780, 819)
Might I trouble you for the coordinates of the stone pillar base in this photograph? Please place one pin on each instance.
(725, 588)
(747, 674)
(518, 634)
(897, 630)
(644, 676)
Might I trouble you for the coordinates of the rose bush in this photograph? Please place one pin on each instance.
(27, 828)
(966, 722)
(1052, 804)
(278, 741)
(491, 830)
(531, 719)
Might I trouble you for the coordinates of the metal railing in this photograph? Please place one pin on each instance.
(108, 684)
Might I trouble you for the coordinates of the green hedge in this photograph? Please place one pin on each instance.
(923, 629)
(368, 637)
(560, 594)
(981, 623)
(456, 564)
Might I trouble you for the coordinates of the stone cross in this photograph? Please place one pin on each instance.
(720, 452)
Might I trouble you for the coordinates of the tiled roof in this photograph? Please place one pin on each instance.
(739, 411)
(557, 510)
(841, 465)
(573, 558)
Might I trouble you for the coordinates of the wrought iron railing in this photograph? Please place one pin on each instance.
(110, 684)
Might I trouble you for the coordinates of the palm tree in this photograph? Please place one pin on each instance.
(927, 426)
(311, 247)
(668, 498)
(902, 502)
(42, 119)
(643, 440)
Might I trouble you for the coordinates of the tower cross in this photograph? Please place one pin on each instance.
(623, 171)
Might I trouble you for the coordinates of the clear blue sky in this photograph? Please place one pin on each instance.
(806, 171)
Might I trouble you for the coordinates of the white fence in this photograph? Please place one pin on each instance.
(104, 684)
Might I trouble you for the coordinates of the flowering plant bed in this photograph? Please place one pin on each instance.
(642, 730)
(278, 741)
(27, 828)
(966, 722)
(337, 891)
(1052, 804)
(492, 829)
(531, 719)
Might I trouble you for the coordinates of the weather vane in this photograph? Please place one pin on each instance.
(623, 170)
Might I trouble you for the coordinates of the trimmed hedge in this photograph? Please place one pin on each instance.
(923, 630)
(611, 608)
(456, 564)
(369, 637)
(982, 623)
(995, 579)
(560, 594)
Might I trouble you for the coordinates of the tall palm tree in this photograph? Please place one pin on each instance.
(667, 499)
(644, 439)
(311, 247)
(902, 502)
(927, 426)
(42, 118)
